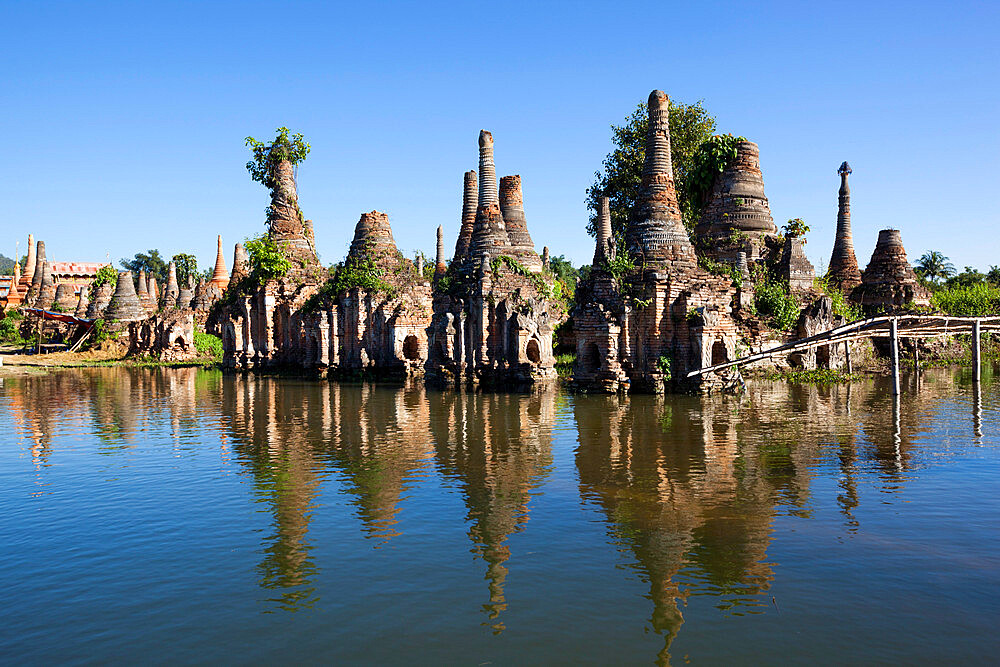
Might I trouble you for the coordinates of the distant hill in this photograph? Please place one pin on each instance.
(6, 265)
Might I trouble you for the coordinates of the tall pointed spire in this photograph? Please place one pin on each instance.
(605, 249)
(512, 209)
(844, 271)
(220, 277)
(470, 202)
(656, 233)
(439, 266)
(29, 266)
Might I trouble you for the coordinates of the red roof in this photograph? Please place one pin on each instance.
(84, 269)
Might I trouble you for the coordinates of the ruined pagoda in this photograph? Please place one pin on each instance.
(844, 272)
(889, 284)
(494, 315)
(646, 327)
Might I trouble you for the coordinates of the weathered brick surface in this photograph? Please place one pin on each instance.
(124, 305)
(889, 282)
(512, 210)
(168, 336)
(795, 267)
(737, 201)
(470, 204)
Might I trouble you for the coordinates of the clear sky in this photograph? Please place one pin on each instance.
(124, 123)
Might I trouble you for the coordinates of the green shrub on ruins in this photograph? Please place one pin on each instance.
(841, 306)
(106, 275)
(265, 157)
(979, 300)
(208, 345)
(774, 301)
(711, 158)
(266, 259)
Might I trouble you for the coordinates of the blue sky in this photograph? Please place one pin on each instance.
(125, 122)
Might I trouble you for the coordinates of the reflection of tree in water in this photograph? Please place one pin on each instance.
(498, 448)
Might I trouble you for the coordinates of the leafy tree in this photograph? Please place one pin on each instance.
(690, 126)
(563, 270)
(993, 275)
(6, 266)
(934, 266)
(266, 156)
(151, 262)
(187, 265)
(969, 277)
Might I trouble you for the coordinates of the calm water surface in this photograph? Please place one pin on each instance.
(180, 515)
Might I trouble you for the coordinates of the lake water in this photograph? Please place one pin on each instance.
(182, 515)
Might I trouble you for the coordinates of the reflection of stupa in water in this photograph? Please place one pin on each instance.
(498, 447)
(290, 433)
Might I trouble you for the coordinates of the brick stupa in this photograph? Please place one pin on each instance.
(99, 303)
(489, 236)
(889, 282)
(124, 305)
(737, 201)
(220, 276)
(82, 303)
(440, 268)
(844, 272)
(470, 203)
(656, 236)
(512, 209)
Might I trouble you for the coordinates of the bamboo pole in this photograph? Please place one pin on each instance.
(847, 354)
(977, 369)
(894, 354)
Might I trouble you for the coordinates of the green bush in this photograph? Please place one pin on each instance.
(978, 300)
(266, 259)
(208, 345)
(841, 306)
(773, 300)
(10, 328)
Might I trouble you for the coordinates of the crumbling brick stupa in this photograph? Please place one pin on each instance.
(645, 328)
(889, 283)
(373, 314)
(370, 315)
(496, 307)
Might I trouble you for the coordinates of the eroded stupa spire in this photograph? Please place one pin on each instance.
(604, 249)
(36, 275)
(286, 226)
(241, 263)
(487, 170)
(737, 200)
(48, 287)
(656, 233)
(172, 291)
(439, 266)
(844, 272)
(82, 303)
(470, 203)
(512, 210)
(489, 236)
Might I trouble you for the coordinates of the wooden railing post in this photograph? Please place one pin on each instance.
(894, 354)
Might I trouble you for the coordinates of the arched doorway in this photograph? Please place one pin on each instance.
(719, 354)
(411, 348)
(534, 354)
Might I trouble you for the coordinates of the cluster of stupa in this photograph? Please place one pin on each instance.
(494, 321)
(665, 317)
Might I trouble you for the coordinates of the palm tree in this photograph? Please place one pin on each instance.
(934, 266)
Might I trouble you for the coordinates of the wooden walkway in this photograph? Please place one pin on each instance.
(892, 327)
